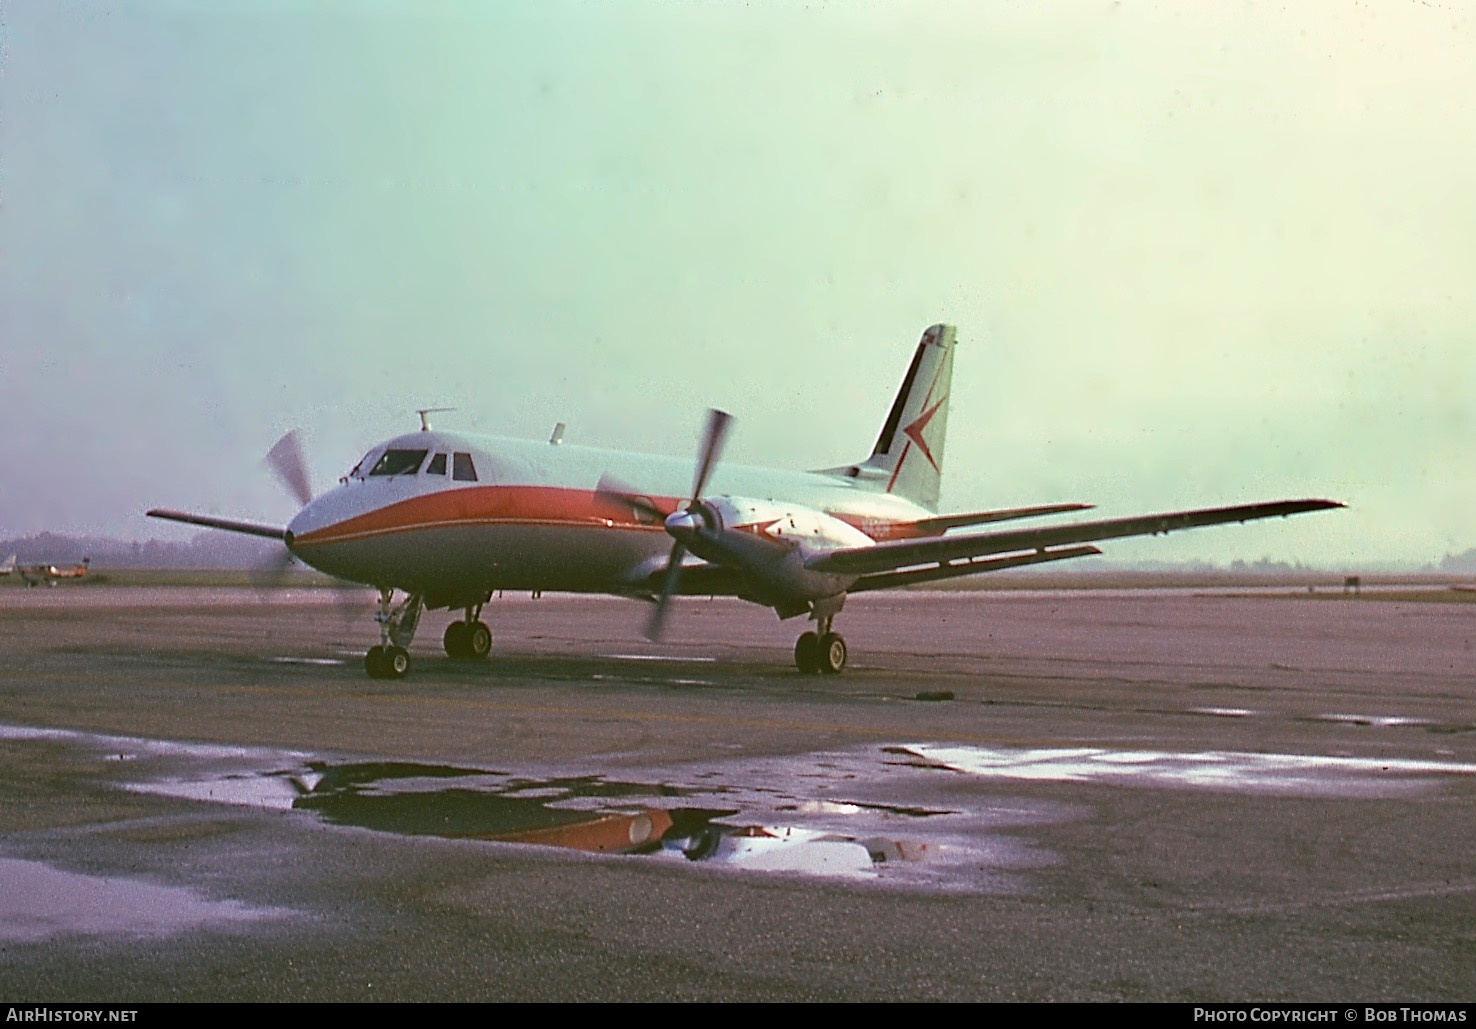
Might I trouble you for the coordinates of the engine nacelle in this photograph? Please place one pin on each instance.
(767, 542)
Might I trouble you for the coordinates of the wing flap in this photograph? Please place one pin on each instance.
(898, 554)
(976, 566)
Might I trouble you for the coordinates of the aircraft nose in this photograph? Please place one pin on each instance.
(304, 521)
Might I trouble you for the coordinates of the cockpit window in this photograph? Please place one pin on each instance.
(399, 462)
(358, 469)
(437, 465)
(462, 468)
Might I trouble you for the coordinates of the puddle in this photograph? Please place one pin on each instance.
(647, 679)
(854, 815)
(1223, 712)
(1296, 774)
(585, 813)
(40, 902)
(1381, 721)
(129, 748)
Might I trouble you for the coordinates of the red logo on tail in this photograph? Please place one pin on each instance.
(914, 432)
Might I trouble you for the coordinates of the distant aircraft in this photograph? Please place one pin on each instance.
(48, 575)
(450, 518)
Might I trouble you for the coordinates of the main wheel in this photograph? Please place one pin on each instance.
(374, 662)
(832, 653)
(456, 640)
(396, 662)
(478, 641)
(807, 653)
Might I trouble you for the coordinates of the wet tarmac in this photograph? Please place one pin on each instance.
(1131, 795)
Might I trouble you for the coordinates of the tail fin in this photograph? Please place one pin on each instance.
(908, 457)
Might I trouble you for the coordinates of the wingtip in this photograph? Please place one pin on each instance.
(1313, 504)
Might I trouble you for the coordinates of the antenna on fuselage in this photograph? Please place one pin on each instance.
(425, 425)
(558, 434)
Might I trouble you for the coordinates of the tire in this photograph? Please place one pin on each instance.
(832, 653)
(396, 662)
(374, 662)
(456, 641)
(807, 653)
(478, 641)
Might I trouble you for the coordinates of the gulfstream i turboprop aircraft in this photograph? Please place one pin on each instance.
(449, 518)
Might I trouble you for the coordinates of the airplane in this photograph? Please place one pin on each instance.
(37, 575)
(449, 519)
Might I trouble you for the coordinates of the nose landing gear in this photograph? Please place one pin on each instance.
(389, 662)
(391, 658)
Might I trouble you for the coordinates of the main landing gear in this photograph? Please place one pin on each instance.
(823, 651)
(469, 640)
(466, 640)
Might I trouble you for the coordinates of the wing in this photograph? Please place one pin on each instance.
(942, 523)
(888, 557)
(249, 528)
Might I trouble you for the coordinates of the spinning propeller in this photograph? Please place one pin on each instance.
(288, 463)
(682, 522)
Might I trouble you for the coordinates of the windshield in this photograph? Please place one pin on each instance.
(357, 472)
(399, 462)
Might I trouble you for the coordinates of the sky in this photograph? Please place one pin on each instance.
(1197, 253)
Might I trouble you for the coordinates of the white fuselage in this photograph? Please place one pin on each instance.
(532, 518)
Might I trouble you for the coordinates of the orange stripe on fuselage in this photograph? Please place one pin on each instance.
(484, 505)
(528, 505)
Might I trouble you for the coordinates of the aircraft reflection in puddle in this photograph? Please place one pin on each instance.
(859, 815)
(410, 799)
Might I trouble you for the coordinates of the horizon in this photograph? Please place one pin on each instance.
(216, 550)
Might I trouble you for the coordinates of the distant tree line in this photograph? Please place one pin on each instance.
(1464, 562)
(205, 550)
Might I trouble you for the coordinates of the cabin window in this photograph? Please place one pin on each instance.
(399, 462)
(462, 468)
(437, 465)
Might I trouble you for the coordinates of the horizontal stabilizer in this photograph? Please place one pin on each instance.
(249, 528)
(890, 556)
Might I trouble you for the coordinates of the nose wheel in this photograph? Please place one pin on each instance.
(389, 662)
(391, 658)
